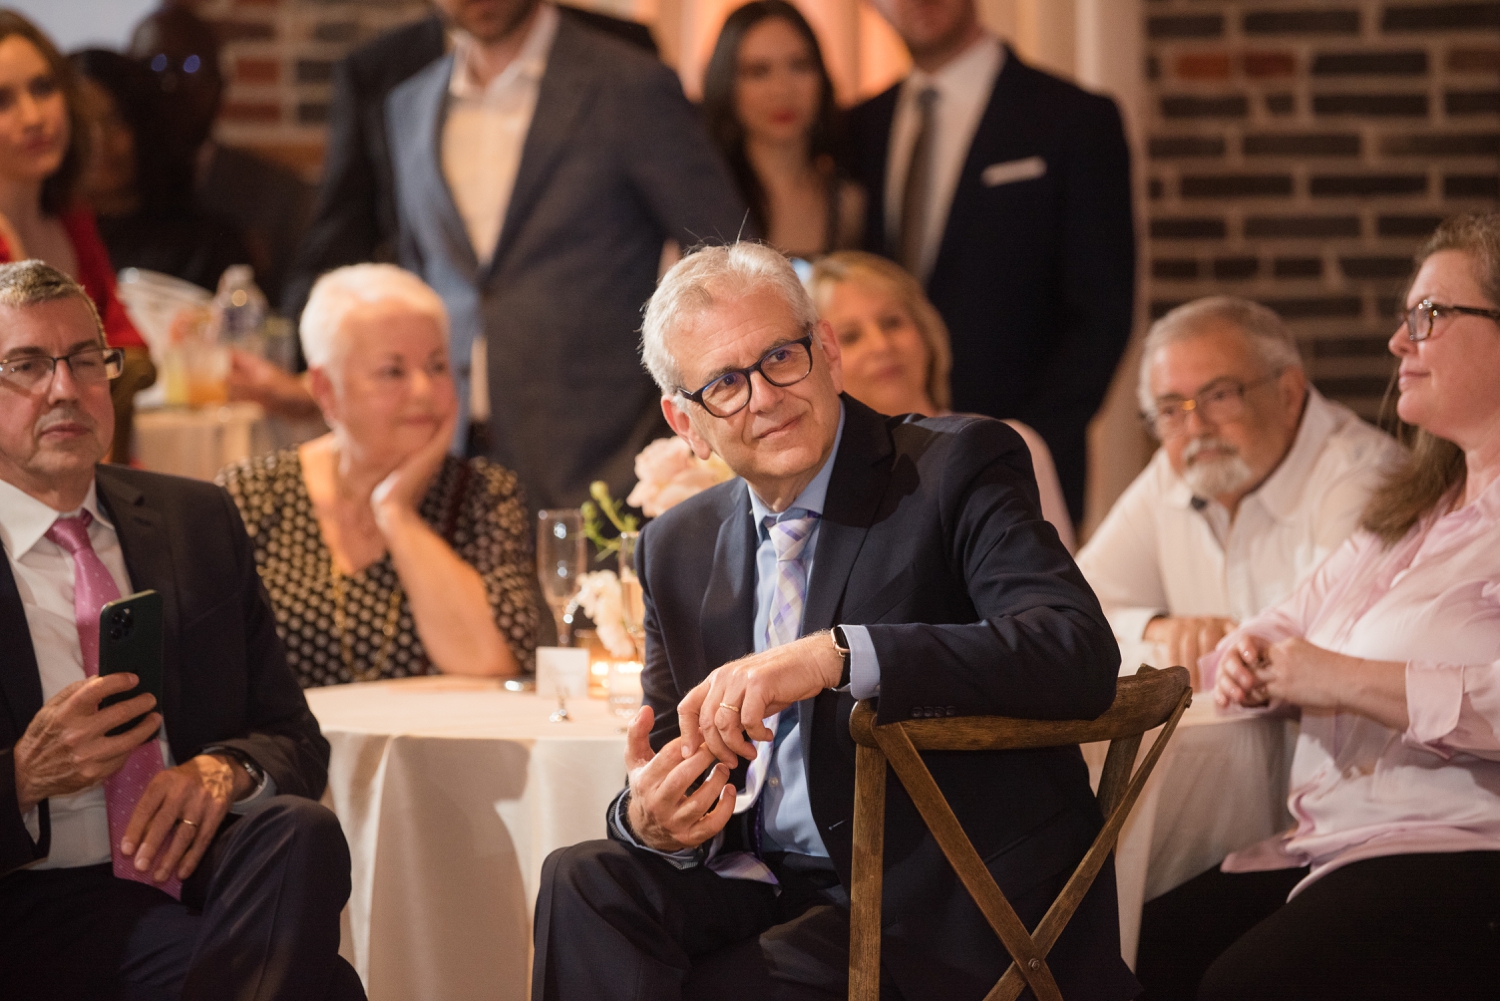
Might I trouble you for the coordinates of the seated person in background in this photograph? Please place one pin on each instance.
(1259, 478)
(186, 856)
(896, 358)
(44, 151)
(141, 195)
(858, 555)
(1391, 650)
(376, 515)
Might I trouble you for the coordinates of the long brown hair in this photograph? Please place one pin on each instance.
(723, 123)
(59, 188)
(1436, 467)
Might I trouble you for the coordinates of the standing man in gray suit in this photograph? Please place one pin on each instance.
(539, 169)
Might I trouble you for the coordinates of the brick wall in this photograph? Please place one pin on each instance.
(1299, 152)
(277, 58)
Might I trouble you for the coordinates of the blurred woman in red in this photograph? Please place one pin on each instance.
(42, 153)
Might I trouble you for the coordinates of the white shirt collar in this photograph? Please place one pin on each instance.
(24, 519)
(973, 71)
(530, 64)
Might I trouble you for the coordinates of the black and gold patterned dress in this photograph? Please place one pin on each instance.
(475, 505)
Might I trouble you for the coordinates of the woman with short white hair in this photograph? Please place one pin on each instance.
(385, 556)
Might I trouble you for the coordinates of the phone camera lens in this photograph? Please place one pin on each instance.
(115, 632)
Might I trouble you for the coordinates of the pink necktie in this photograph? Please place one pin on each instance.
(93, 587)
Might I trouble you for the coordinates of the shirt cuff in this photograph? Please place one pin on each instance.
(684, 858)
(33, 821)
(1434, 702)
(1129, 624)
(864, 665)
(263, 792)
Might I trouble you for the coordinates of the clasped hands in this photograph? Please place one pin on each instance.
(66, 749)
(719, 721)
(1254, 672)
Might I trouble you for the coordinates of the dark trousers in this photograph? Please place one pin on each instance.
(614, 922)
(259, 919)
(1395, 927)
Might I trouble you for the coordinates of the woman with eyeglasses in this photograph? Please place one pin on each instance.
(43, 149)
(383, 555)
(1388, 884)
(768, 102)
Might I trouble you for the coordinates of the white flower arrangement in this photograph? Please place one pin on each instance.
(602, 600)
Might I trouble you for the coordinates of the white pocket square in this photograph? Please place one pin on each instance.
(1026, 169)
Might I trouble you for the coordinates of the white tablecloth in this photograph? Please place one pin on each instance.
(452, 792)
(199, 442)
(1220, 786)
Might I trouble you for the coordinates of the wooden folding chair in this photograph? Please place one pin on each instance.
(1149, 699)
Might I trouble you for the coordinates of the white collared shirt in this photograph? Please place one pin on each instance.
(484, 133)
(964, 87)
(44, 577)
(1161, 551)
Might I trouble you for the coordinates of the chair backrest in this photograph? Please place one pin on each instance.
(1150, 699)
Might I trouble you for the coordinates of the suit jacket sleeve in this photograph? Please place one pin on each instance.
(16, 847)
(1040, 648)
(281, 734)
(1098, 261)
(344, 228)
(676, 170)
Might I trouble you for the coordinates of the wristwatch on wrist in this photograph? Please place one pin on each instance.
(252, 768)
(841, 644)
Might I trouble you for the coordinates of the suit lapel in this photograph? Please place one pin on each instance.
(728, 611)
(421, 148)
(147, 547)
(566, 88)
(20, 679)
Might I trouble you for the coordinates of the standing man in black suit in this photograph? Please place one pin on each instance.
(857, 556)
(355, 219)
(540, 169)
(1006, 191)
(187, 856)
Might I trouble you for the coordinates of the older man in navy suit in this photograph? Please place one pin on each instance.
(857, 556)
(1006, 191)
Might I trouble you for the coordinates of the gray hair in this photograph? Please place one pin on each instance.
(1267, 333)
(707, 278)
(341, 290)
(27, 283)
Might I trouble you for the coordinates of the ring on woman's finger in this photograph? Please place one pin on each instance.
(726, 705)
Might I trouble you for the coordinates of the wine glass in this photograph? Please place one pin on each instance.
(561, 559)
(632, 600)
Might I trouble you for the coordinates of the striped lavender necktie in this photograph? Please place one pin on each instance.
(789, 536)
(93, 587)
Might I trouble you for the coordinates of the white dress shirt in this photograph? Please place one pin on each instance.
(964, 87)
(1162, 551)
(484, 133)
(44, 577)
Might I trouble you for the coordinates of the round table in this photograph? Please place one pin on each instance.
(451, 793)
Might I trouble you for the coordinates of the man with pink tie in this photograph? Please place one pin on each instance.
(186, 856)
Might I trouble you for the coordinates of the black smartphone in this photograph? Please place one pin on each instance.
(130, 641)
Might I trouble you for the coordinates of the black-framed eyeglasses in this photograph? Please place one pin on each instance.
(90, 366)
(1421, 317)
(1220, 402)
(782, 366)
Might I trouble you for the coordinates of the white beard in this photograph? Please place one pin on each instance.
(1215, 477)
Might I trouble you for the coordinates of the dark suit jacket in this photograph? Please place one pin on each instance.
(225, 681)
(932, 536)
(1035, 278)
(615, 163)
(355, 218)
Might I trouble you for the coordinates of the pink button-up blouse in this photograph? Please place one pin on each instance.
(1360, 789)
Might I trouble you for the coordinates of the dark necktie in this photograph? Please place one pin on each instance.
(917, 191)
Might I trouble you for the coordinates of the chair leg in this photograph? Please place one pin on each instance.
(868, 873)
(1029, 961)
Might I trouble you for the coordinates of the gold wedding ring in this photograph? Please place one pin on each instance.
(184, 820)
(726, 705)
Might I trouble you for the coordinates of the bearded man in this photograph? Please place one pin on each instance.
(1258, 478)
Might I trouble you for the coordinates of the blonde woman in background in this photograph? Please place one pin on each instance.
(419, 561)
(896, 358)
